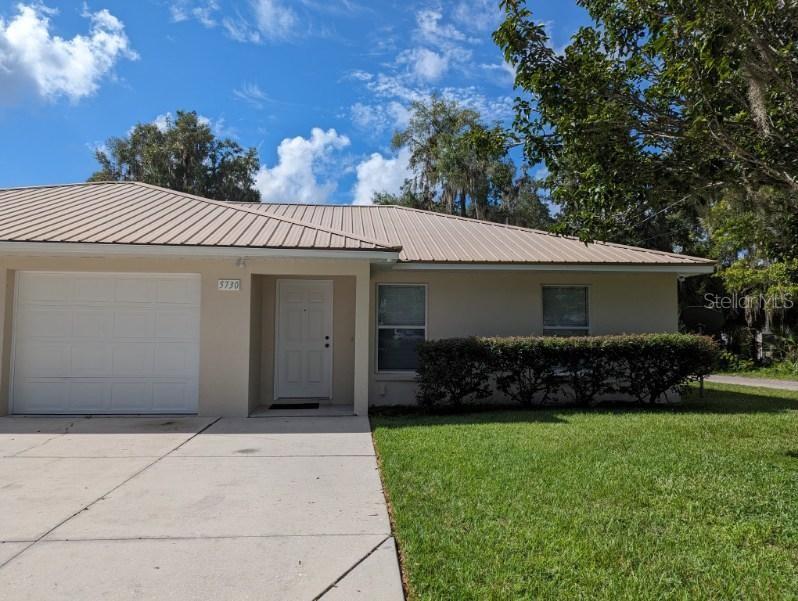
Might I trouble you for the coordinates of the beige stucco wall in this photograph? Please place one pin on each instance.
(508, 303)
(343, 336)
(228, 385)
(236, 342)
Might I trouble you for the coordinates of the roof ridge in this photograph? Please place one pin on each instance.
(552, 234)
(69, 185)
(231, 205)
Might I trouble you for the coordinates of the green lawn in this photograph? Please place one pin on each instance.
(777, 371)
(698, 501)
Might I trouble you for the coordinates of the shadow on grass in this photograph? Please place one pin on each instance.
(717, 399)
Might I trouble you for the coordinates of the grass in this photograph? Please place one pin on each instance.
(692, 501)
(777, 371)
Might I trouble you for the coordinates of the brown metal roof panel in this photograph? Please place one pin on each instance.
(278, 236)
(293, 236)
(142, 229)
(189, 231)
(227, 231)
(267, 230)
(87, 223)
(48, 213)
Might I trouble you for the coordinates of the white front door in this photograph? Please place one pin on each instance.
(303, 353)
(106, 343)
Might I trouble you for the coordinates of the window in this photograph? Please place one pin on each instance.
(401, 325)
(565, 311)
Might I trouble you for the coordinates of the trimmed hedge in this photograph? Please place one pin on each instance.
(532, 370)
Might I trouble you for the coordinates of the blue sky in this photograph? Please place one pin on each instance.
(317, 86)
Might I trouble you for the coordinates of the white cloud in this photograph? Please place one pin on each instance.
(162, 122)
(360, 75)
(385, 86)
(432, 31)
(426, 65)
(377, 118)
(504, 71)
(204, 12)
(492, 109)
(299, 175)
(478, 15)
(437, 51)
(273, 21)
(380, 174)
(439, 46)
(32, 60)
(252, 94)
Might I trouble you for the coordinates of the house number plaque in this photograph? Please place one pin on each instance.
(229, 285)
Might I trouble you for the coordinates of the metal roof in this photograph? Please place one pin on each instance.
(142, 214)
(137, 213)
(425, 236)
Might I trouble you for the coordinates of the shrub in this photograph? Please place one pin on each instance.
(658, 363)
(530, 369)
(523, 367)
(452, 371)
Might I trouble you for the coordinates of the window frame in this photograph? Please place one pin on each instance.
(378, 327)
(552, 330)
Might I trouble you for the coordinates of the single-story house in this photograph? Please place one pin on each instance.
(130, 298)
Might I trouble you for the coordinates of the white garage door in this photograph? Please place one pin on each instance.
(106, 343)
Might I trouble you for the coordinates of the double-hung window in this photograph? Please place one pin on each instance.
(401, 325)
(566, 311)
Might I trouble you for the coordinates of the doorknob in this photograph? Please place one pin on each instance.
(326, 345)
(326, 337)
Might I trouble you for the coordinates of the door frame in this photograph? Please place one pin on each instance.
(277, 327)
(17, 277)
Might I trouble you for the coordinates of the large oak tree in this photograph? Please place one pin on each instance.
(184, 155)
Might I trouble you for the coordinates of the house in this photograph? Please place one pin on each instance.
(129, 298)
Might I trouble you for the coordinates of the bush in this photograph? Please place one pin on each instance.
(453, 370)
(662, 362)
(524, 368)
(530, 370)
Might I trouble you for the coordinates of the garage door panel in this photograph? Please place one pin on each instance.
(44, 396)
(54, 289)
(106, 343)
(133, 359)
(35, 358)
(175, 359)
(92, 323)
(177, 324)
(183, 292)
(132, 289)
(90, 359)
(172, 396)
(134, 324)
(92, 289)
(89, 396)
(133, 396)
(47, 322)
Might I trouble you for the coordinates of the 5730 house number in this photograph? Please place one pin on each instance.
(229, 285)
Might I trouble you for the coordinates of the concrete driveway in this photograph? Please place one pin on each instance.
(193, 508)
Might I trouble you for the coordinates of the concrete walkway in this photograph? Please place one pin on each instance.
(758, 382)
(193, 508)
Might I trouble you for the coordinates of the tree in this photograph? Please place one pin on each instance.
(656, 110)
(461, 166)
(430, 134)
(185, 156)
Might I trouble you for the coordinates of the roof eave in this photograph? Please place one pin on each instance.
(683, 269)
(89, 249)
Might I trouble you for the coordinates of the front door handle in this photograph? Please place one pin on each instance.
(327, 345)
